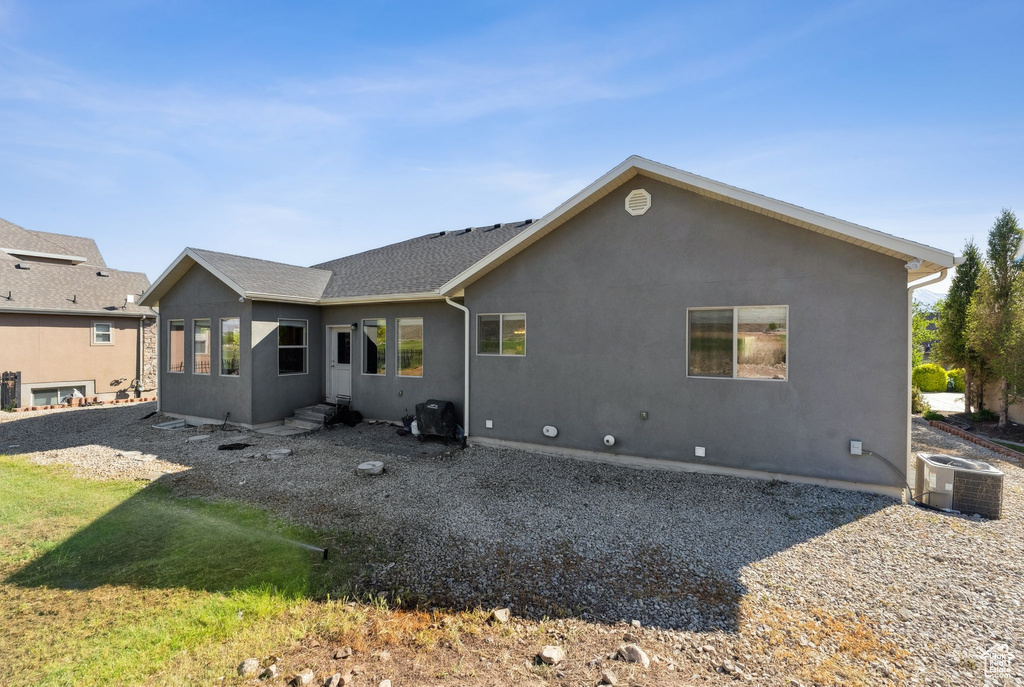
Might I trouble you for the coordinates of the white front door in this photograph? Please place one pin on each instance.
(339, 371)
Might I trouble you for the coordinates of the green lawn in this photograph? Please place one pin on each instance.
(107, 583)
(1012, 447)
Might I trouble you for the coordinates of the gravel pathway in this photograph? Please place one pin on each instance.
(683, 552)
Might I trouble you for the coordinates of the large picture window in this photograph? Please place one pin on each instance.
(291, 347)
(501, 334)
(230, 346)
(201, 347)
(738, 342)
(410, 346)
(175, 345)
(375, 338)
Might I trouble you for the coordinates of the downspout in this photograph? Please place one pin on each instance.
(913, 286)
(465, 374)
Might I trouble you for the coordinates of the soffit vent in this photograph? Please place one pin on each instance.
(638, 201)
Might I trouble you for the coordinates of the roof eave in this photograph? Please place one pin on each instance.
(871, 239)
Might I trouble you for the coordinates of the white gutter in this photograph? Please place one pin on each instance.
(465, 393)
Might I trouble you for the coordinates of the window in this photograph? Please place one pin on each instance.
(230, 346)
(738, 343)
(291, 347)
(176, 345)
(501, 334)
(375, 338)
(201, 347)
(410, 346)
(102, 333)
(52, 397)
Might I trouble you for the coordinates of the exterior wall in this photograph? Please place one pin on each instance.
(390, 396)
(275, 396)
(57, 350)
(606, 298)
(992, 392)
(200, 295)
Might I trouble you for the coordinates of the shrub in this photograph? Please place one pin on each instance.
(985, 415)
(917, 402)
(932, 415)
(956, 376)
(930, 377)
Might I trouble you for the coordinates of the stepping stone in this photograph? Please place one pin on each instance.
(199, 437)
(280, 453)
(370, 467)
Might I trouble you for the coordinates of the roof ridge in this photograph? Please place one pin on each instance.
(248, 257)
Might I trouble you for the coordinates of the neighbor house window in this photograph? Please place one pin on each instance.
(102, 333)
(52, 397)
(501, 334)
(176, 345)
(739, 342)
(410, 346)
(201, 347)
(230, 346)
(291, 347)
(375, 338)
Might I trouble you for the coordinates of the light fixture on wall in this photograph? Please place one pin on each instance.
(354, 325)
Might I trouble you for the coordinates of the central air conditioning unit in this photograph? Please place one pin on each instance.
(952, 483)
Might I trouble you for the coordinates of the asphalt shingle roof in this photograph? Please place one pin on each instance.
(266, 277)
(50, 286)
(415, 266)
(17, 237)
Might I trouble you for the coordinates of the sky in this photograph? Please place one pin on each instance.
(302, 132)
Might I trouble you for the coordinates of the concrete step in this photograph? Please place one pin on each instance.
(310, 416)
(298, 422)
(321, 409)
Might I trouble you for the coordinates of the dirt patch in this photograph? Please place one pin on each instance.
(987, 429)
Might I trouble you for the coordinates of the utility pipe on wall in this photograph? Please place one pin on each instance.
(465, 374)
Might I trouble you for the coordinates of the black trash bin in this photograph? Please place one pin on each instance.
(437, 418)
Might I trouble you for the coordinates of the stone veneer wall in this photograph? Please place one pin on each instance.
(150, 362)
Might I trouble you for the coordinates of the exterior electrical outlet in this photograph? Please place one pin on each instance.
(856, 448)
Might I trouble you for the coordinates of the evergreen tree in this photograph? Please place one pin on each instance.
(952, 348)
(995, 317)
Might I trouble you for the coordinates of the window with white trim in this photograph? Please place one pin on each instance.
(176, 346)
(410, 346)
(201, 347)
(501, 334)
(375, 340)
(102, 333)
(230, 346)
(291, 347)
(745, 342)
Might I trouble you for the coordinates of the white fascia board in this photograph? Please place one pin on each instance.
(384, 298)
(74, 259)
(637, 165)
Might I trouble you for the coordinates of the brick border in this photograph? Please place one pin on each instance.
(82, 402)
(975, 439)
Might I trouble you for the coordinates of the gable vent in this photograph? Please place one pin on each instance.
(638, 202)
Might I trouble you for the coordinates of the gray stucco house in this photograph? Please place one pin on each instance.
(656, 317)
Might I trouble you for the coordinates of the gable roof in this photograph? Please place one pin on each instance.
(417, 266)
(248, 277)
(18, 240)
(928, 260)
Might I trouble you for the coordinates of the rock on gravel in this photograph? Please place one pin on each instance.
(302, 678)
(551, 655)
(608, 677)
(501, 615)
(370, 467)
(631, 653)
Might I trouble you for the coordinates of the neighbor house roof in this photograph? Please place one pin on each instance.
(922, 260)
(41, 244)
(55, 273)
(419, 265)
(248, 277)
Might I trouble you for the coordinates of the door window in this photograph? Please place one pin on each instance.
(344, 351)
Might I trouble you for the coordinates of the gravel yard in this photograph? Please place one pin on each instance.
(756, 568)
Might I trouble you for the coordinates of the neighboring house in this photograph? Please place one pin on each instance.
(70, 325)
(697, 324)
